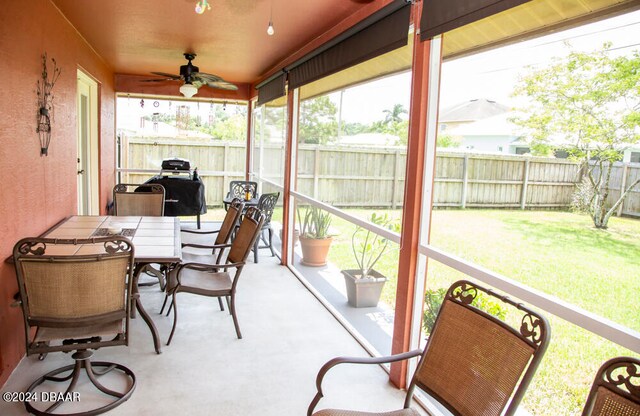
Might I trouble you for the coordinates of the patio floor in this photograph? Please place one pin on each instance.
(287, 333)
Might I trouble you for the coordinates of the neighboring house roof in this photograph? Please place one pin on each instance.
(498, 125)
(472, 110)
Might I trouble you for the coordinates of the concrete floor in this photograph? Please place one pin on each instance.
(206, 370)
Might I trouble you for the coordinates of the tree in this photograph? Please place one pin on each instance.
(318, 121)
(447, 140)
(591, 102)
(394, 114)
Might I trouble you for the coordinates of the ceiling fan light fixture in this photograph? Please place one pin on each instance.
(188, 90)
(270, 30)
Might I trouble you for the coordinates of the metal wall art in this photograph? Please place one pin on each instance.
(45, 103)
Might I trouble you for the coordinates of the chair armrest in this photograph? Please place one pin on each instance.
(354, 360)
(205, 246)
(204, 267)
(200, 231)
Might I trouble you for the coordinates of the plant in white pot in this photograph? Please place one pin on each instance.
(315, 238)
(364, 285)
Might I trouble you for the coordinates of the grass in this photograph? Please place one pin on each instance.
(559, 253)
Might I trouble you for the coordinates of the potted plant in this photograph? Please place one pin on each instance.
(315, 239)
(364, 285)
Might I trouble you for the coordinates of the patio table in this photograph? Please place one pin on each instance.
(155, 239)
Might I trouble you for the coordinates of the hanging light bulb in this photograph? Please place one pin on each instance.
(270, 30)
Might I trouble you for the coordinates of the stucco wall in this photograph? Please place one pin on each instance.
(37, 192)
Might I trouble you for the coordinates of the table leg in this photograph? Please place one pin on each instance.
(138, 306)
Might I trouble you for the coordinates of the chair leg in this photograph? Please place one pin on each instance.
(166, 297)
(228, 304)
(175, 317)
(255, 251)
(235, 317)
(220, 303)
(273, 253)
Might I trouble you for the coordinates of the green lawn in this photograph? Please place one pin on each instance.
(560, 253)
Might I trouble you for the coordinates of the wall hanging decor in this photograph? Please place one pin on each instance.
(45, 103)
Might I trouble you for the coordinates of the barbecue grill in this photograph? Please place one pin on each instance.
(184, 189)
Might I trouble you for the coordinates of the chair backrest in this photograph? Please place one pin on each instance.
(138, 199)
(246, 236)
(230, 220)
(240, 189)
(616, 389)
(266, 205)
(475, 364)
(61, 288)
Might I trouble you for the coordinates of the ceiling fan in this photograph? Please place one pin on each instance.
(193, 79)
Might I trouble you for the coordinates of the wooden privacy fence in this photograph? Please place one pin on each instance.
(374, 177)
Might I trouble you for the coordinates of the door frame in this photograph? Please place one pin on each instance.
(91, 188)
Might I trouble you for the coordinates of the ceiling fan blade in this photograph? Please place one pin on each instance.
(206, 77)
(222, 85)
(157, 80)
(164, 74)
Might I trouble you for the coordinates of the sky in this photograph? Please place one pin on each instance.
(492, 74)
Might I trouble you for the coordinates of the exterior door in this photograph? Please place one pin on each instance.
(87, 157)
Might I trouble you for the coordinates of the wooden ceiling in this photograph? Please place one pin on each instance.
(138, 37)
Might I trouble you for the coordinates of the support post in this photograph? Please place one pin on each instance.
(247, 166)
(413, 196)
(289, 172)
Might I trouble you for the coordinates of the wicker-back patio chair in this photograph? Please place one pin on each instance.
(215, 280)
(616, 389)
(138, 199)
(76, 302)
(474, 364)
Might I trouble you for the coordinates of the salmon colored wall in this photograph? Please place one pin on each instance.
(37, 192)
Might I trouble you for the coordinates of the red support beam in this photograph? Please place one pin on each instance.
(410, 238)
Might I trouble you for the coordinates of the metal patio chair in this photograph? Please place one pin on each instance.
(76, 302)
(138, 199)
(474, 364)
(244, 190)
(266, 205)
(616, 389)
(215, 280)
(212, 254)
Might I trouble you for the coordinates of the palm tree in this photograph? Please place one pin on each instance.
(393, 115)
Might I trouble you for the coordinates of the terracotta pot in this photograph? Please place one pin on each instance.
(363, 293)
(314, 251)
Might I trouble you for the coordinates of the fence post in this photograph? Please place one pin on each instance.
(465, 181)
(225, 165)
(394, 190)
(623, 184)
(525, 184)
(316, 171)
